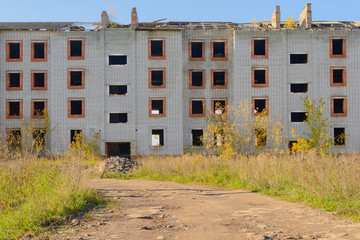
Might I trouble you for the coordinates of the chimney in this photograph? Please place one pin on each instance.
(275, 19)
(305, 19)
(105, 22)
(134, 18)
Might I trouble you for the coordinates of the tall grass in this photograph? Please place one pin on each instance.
(37, 193)
(329, 183)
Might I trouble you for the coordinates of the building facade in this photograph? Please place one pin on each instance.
(147, 87)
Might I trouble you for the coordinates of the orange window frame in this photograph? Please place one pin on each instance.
(203, 105)
(33, 80)
(82, 115)
(212, 79)
(332, 84)
(8, 88)
(203, 50)
(254, 112)
(82, 57)
(33, 108)
(163, 57)
(164, 77)
(344, 114)
(8, 109)
(82, 70)
(253, 47)
(33, 59)
(343, 47)
(8, 59)
(164, 108)
(225, 58)
(266, 84)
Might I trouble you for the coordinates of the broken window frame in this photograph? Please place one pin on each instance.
(344, 107)
(225, 57)
(33, 59)
(191, 71)
(115, 95)
(343, 55)
(307, 87)
(151, 57)
(203, 50)
(297, 112)
(33, 87)
(164, 107)
(18, 116)
(254, 84)
(254, 111)
(82, 70)
(213, 86)
(266, 55)
(82, 57)
(20, 58)
(340, 140)
(8, 87)
(118, 64)
(36, 115)
(343, 83)
(161, 139)
(163, 78)
(120, 122)
(82, 115)
(200, 139)
(213, 106)
(191, 114)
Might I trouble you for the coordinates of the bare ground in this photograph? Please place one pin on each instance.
(166, 210)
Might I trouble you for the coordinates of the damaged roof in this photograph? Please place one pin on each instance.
(156, 25)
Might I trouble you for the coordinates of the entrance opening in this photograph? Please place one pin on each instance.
(121, 149)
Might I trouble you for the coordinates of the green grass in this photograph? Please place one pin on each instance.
(328, 183)
(37, 194)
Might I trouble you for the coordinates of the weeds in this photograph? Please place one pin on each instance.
(329, 183)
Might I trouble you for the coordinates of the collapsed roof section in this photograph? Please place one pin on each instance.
(305, 22)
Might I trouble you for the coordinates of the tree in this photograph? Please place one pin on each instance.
(317, 137)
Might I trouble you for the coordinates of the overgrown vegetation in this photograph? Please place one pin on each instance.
(37, 193)
(329, 183)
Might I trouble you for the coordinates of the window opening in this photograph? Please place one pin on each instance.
(118, 60)
(39, 138)
(118, 118)
(298, 116)
(157, 78)
(219, 106)
(197, 137)
(291, 145)
(197, 107)
(157, 137)
(338, 75)
(39, 108)
(75, 135)
(117, 89)
(14, 80)
(14, 49)
(13, 139)
(298, 58)
(299, 88)
(219, 78)
(39, 80)
(196, 50)
(14, 108)
(122, 149)
(197, 78)
(260, 137)
(157, 107)
(76, 78)
(76, 107)
(337, 47)
(338, 105)
(259, 47)
(259, 105)
(156, 48)
(339, 136)
(218, 49)
(39, 50)
(76, 48)
(260, 76)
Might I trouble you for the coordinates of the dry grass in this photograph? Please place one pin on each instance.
(36, 194)
(329, 183)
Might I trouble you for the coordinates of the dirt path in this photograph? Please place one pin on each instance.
(165, 210)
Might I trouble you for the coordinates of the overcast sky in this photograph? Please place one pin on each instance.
(239, 11)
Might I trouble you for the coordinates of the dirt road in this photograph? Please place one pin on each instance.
(165, 210)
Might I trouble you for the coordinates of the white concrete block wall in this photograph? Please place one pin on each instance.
(177, 124)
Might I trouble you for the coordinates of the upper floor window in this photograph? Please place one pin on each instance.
(299, 87)
(338, 106)
(219, 78)
(219, 106)
(298, 58)
(156, 49)
(38, 80)
(13, 80)
(259, 48)
(260, 105)
(76, 108)
(197, 107)
(38, 51)
(337, 47)
(197, 50)
(38, 108)
(14, 51)
(197, 78)
(157, 107)
(117, 90)
(76, 78)
(157, 78)
(14, 109)
(219, 50)
(259, 76)
(337, 76)
(76, 49)
(117, 60)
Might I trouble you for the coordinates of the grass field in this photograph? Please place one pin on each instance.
(328, 183)
(36, 194)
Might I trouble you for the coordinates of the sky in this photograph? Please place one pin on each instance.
(238, 11)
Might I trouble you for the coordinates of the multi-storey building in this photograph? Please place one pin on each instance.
(149, 86)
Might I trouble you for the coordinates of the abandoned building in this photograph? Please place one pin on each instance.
(149, 86)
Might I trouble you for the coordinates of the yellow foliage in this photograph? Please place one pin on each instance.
(290, 23)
